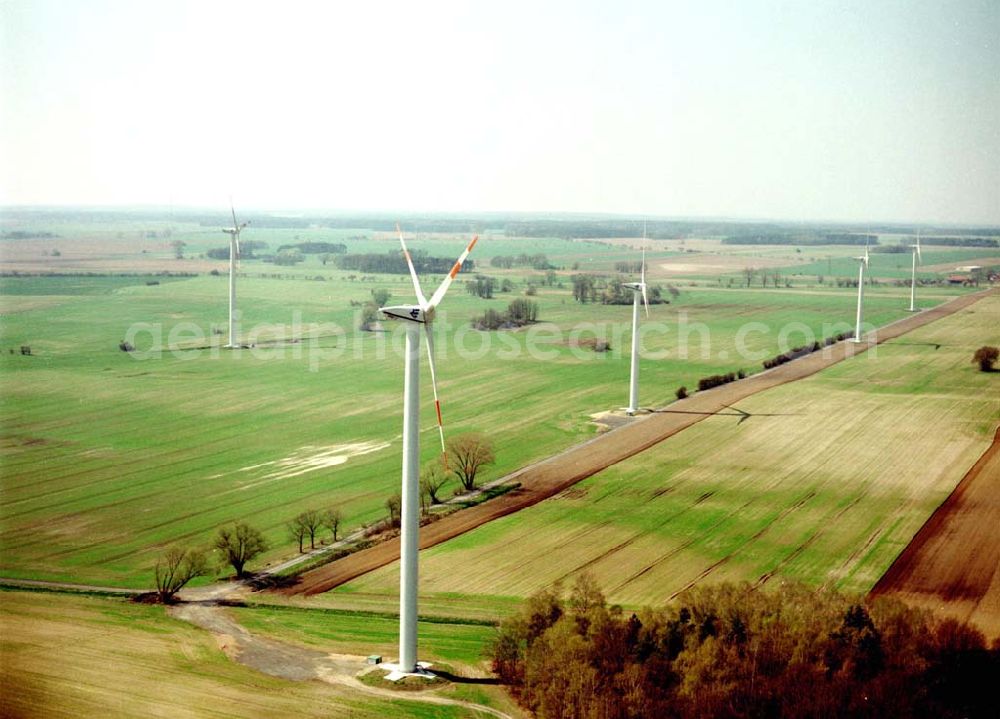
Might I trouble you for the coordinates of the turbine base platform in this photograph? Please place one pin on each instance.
(638, 410)
(396, 674)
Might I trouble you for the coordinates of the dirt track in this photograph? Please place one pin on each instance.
(952, 564)
(551, 476)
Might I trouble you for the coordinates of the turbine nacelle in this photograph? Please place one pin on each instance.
(235, 230)
(410, 313)
(636, 286)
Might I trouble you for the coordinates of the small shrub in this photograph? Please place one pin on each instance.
(986, 357)
(126, 346)
(715, 380)
(681, 392)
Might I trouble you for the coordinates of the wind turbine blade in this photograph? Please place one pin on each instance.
(645, 301)
(233, 209)
(919, 257)
(643, 280)
(239, 255)
(446, 283)
(434, 386)
(413, 273)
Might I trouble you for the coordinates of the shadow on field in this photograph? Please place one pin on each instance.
(935, 345)
(261, 582)
(735, 413)
(490, 681)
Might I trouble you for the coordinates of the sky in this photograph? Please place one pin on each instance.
(808, 110)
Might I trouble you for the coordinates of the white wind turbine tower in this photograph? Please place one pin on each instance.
(415, 316)
(234, 253)
(915, 251)
(862, 266)
(638, 288)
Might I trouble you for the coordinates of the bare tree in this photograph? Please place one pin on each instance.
(239, 544)
(297, 531)
(177, 567)
(394, 505)
(312, 521)
(470, 452)
(749, 273)
(178, 247)
(432, 479)
(332, 519)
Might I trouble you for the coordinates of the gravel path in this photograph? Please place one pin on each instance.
(295, 663)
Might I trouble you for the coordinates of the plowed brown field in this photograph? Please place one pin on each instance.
(547, 478)
(952, 566)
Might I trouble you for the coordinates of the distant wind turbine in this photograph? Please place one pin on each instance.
(234, 253)
(862, 267)
(638, 288)
(915, 251)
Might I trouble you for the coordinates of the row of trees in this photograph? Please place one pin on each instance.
(393, 262)
(315, 248)
(733, 651)
(310, 522)
(535, 262)
(774, 277)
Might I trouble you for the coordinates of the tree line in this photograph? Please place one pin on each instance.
(830, 238)
(247, 250)
(536, 262)
(394, 263)
(732, 651)
(316, 248)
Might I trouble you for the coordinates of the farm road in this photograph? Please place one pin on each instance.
(951, 566)
(294, 663)
(551, 476)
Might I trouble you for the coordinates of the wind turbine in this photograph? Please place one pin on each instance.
(234, 253)
(915, 251)
(416, 315)
(862, 266)
(638, 288)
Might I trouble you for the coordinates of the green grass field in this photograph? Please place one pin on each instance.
(108, 457)
(824, 484)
